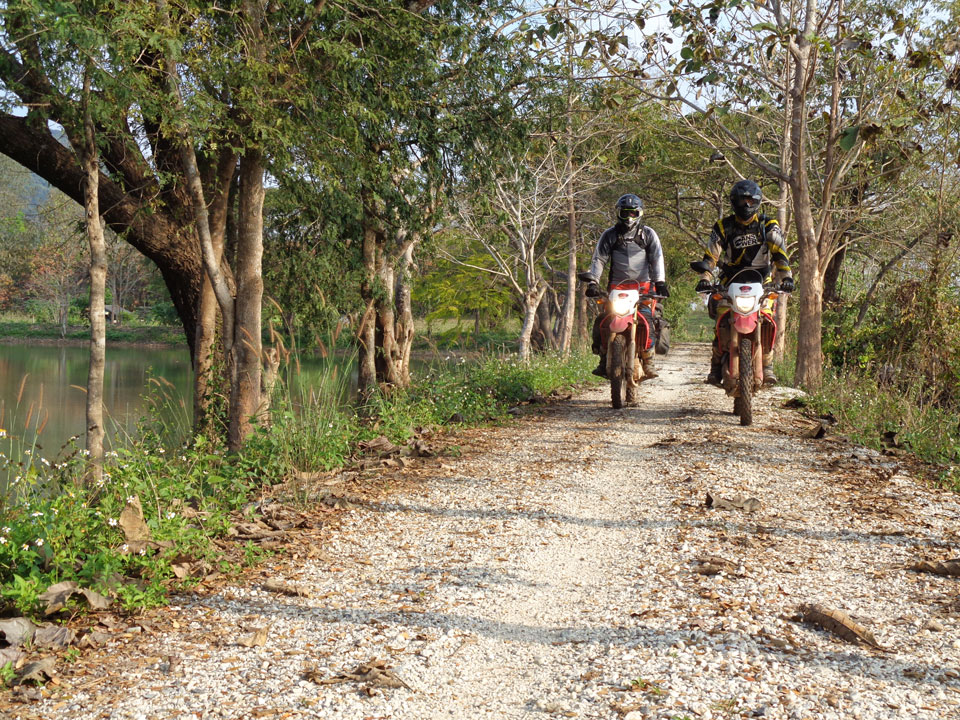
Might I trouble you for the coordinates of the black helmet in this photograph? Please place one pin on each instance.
(629, 210)
(745, 197)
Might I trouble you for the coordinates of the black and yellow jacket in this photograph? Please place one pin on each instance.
(758, 245)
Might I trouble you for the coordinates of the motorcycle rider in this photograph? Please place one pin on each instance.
(633, 252)
(745, 239)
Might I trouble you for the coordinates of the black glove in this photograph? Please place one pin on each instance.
(662, 288)
(703, 286)
(593, 290)
(786, 285)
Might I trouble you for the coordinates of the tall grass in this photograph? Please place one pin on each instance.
(20, 430)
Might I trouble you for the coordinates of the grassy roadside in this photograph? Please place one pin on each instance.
(878, 416)
(17, 331)
(159, 507)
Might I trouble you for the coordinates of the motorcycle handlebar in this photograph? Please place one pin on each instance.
(771, 287)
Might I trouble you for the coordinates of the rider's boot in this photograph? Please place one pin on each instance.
(649, 371)
(716, 373)
(601, 369)
(769, 377)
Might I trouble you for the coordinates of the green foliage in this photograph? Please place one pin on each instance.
(7, 673)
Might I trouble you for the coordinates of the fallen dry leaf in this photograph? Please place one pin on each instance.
(38, 672)
(946, 567)
(282, 588)
(132, 523)
(17, 630)
(54, 636)
(737, 502)
(839, 623)
(256, 638)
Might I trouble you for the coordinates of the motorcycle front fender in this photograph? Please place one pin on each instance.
(745, 324)
(619, 324)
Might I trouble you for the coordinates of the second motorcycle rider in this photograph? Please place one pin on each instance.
(633, 252)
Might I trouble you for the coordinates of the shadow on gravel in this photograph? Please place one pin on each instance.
(730, 523)
(888, 669)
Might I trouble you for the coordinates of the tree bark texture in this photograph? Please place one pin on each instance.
(367, 331)
(98, 283)
(809, 367)
(247, 351)
(531, 303)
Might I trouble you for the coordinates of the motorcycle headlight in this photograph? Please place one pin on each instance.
(622, 306)
(744, 303)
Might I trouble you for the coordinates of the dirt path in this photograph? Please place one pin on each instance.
(561, 568)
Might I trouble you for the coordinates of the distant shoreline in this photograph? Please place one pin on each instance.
(80, 342)
(23, 333)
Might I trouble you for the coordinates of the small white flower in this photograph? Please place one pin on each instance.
(85, 452)
(36, 514)
(112, 522)
(183, 458)
(161, 451)
(171, 515)
(143, 551)
(27, 452)
(5, 530)
(124, 548)
(3, 540)
(24, 547)
(39, 542)
(131, 498)
(45, 461)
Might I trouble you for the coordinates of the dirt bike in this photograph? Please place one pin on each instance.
(625, 332)
(752, 329)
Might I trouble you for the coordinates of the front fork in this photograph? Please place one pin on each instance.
(733, 354)
(631, 368)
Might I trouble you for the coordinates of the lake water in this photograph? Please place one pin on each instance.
(43, 397)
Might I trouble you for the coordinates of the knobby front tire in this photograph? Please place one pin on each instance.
(745, 380)
(615, 365)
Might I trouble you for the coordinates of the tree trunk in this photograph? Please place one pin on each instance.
(831, 279)
(809, 368)
(385, 353)
(531, 303)
(205, 342)
(405, 324)
(367, 332)
(247, 363)
(583, 336)
(98, 279)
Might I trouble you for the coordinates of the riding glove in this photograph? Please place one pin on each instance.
(662, 288)
(593, 290)
(786, 285)
(703, 286)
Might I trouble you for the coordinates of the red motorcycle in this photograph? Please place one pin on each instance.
(625, 332)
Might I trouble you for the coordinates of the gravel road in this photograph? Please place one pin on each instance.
(566, 565)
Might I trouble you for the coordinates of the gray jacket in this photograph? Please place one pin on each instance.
(634, 256)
